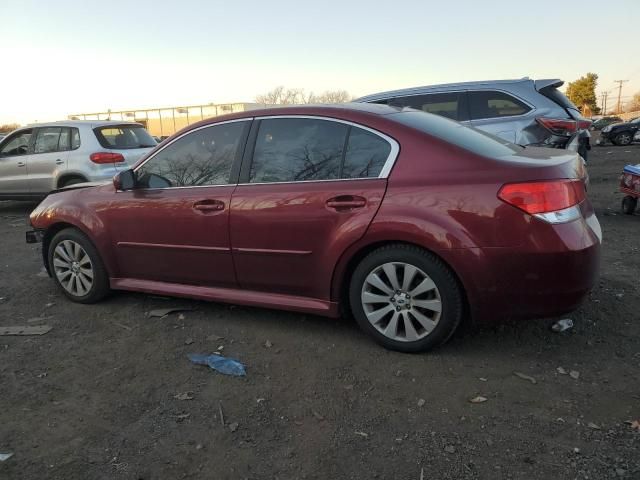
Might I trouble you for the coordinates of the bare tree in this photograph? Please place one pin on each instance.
(292, 96)
(634, 104)
(8, 127)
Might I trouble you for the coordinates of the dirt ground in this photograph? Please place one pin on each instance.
(95, 398)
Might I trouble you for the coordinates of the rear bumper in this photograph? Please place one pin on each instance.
(550, 274)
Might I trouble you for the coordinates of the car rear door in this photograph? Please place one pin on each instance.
(309, 188)
(174, 226)
(49, 158)
(15, 151)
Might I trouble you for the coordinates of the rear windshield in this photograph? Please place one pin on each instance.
(557, 96)
(121, 137)
(471, 139)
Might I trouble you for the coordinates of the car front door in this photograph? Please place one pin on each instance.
(174, 226)
(14, 156)
(49, 158)
(309, 188)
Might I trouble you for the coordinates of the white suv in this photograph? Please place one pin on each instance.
(42, 157)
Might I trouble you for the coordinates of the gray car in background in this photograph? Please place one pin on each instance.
(527, 112)
(42, 157)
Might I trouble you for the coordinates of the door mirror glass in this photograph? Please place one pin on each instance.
(125, 180)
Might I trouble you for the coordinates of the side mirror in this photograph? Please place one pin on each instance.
(125, 180)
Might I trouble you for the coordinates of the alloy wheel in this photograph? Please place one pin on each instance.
(401, 301)
(73, 268)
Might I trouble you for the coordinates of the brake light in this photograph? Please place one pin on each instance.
(584, 124)
(554, 201)
(106, 157)
(559, 126)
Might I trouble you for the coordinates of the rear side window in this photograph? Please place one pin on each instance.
(48, 140)
(493, 104)
(471, 139)
(203, 157)
(449, 105)
(121, 137)
(366, 154)
(297, 149)
(56, 139)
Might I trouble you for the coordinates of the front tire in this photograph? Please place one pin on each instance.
(406, 298)
(76, 267)
(623, 139)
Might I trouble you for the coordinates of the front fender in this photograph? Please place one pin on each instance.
(69, 209)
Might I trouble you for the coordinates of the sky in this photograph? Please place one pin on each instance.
(65, 57)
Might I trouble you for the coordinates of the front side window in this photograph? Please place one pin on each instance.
(297, 149)
(48, 140)
(492, 104)
(203, 157)
(17, 144)
(121, 137)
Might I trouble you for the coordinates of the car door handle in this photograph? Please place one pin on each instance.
(21, 164)
(208, 205)
(346, 202)
(59, 162)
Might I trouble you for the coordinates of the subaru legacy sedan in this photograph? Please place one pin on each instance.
(406, 220)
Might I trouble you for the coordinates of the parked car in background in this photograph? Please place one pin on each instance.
(526, 112)
(408, 220)
(620, 133)
(603, 122)
(42, 157)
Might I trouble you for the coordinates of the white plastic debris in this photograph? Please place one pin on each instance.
(562, 325)
(5, 456)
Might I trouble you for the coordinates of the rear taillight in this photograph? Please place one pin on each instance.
(106, 157)
(562, 126)
(584, 124)
(559, 126)
(555, 201)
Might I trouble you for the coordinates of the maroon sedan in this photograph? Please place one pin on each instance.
(409, 220)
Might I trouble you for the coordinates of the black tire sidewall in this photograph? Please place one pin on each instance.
(629, 205)
(623, 144)
(100, 286)
(451, 296)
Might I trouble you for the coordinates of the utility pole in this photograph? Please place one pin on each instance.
(619, 82)
(604, 102)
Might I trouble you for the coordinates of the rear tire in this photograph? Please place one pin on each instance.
(76, 267)
(406, 298)
(623, 139)
(71, 181)
(629, 204)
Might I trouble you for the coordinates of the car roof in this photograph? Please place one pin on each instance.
(76, 123)
(446, 86)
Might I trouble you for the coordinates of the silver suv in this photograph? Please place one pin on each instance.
(525, 111)
(42, 157)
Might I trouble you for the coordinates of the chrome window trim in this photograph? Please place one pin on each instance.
(386, 168)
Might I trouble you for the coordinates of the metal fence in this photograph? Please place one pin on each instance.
(165, 121)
